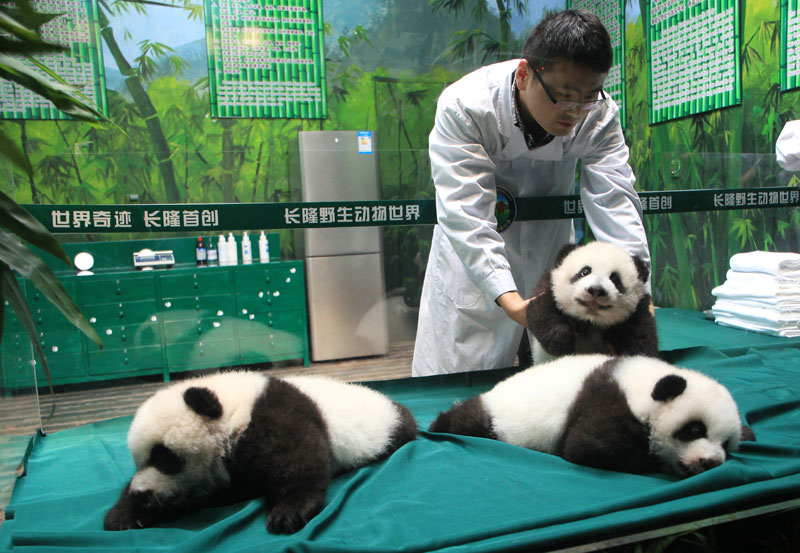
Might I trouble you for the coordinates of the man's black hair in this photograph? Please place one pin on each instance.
(575, 35)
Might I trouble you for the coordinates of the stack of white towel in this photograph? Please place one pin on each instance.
(761, 293)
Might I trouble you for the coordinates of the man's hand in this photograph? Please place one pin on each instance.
(514, 306)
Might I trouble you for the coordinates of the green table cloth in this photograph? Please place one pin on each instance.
(443, 493)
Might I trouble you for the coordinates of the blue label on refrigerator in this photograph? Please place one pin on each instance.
(364, 142)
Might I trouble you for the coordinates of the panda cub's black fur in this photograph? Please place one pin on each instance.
(593, 300)
(239, 435)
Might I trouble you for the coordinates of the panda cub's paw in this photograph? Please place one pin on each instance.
(287, 517)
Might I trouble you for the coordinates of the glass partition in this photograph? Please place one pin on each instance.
(167, 309)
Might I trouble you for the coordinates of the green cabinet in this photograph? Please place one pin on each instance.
(161, 321)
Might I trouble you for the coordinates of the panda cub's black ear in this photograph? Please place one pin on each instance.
(641, 268)
(565, 250)
(669, 387)
(203, 402)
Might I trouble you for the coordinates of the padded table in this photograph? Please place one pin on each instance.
(447, 493)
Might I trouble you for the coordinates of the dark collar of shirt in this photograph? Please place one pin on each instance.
(535, 135)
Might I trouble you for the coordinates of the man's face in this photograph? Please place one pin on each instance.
(567, 81)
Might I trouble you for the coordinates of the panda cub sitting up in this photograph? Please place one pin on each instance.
(593, 300)
(239, 435)
(628, 414)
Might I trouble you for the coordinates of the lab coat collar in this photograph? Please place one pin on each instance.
(515, 145)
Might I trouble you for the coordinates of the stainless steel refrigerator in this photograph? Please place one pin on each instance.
(343, 266)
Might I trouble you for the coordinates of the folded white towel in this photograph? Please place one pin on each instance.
(764, 294)
(787, 331)
(781, 307)
(780, 264)
(732, 309)
(739, 278)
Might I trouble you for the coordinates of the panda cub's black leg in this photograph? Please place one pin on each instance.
(468, 418)
(293, 512)
(285, 454)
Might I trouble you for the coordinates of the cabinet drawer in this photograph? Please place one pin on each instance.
(192, 330)
(198, 307)
(63, 340)
(127, 336)
(282, 276)
(124, 360)
(202, 353)
(274, 344)
(63, 368)
(95, 291)
(15, 342)
(40, 306)
(260, 302)
(195, 284)
(113, 314)
(259, 324)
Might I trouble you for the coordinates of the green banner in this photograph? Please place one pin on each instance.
(63, 219)
(790, 44)
(266, 58)
(612, 14)
(82, 65)
(693, 57)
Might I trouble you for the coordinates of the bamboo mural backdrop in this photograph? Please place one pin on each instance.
(384, 75)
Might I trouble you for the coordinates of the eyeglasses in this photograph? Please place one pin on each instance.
(566, 105)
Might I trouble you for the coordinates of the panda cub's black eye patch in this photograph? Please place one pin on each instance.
(586, 271)
(617, 281)
(165, 460)
(693, 430)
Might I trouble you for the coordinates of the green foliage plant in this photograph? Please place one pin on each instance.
(21, 26)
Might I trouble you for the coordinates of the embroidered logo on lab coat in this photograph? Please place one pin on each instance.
(505, 211)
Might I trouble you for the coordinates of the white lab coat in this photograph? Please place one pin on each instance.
(787, 148)
(475, 147)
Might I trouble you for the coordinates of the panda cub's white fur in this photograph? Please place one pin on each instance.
(593, 300)
(235, 435)
(632, 414)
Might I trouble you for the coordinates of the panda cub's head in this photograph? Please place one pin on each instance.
(693, 419)
(179, 438)
(598, 282)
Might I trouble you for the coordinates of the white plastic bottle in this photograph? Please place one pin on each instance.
(247, 249)
(233, 252)
(222, 250)
(263, 248)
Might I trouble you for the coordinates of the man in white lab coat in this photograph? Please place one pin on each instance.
(509, 130)
(787, 147)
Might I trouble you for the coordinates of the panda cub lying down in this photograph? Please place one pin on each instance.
(238, 435)
(629, 414)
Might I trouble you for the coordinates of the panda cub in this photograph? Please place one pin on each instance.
(628, 414)
(238, 435)
(593, 300)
